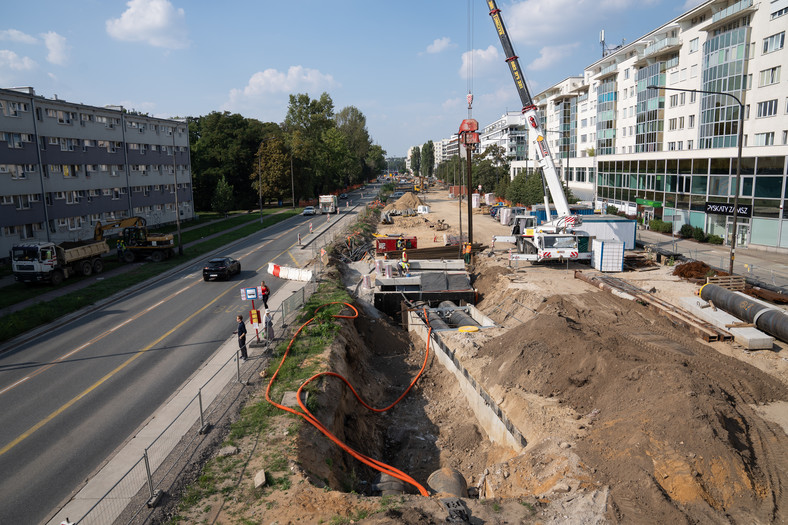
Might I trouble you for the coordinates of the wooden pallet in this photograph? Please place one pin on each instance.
(729, 282)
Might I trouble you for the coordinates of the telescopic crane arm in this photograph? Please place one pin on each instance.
(529, 111)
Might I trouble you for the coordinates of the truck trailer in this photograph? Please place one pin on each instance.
(328, 204)
(50, 262)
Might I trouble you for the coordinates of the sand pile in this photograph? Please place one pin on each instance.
(409, 201)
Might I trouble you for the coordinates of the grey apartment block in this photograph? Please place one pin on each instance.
(66, 166)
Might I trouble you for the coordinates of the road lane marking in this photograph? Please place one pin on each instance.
(101, 381)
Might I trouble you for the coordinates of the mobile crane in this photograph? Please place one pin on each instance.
(553, 239)
(138, 241)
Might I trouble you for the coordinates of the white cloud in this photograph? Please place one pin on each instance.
(550, 56)
(15, 35)
(440, 44)
(57, 47)
(273, 82)
(10, 60)
(481, 61)
(539, 23)
(155, 22)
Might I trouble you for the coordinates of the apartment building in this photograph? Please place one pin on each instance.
(65, 166)
(672, 152)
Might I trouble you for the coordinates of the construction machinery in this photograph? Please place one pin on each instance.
(137, 241)
(553, 239)
(50, 262)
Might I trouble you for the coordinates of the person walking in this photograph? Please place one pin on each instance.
(241, 331)
(265, 292)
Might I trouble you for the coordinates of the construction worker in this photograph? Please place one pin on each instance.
(120, 246)
(467, 252)
(404, 255)
(404, 266)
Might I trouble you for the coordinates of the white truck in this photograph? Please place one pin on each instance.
(328, 204)
(553, 239)
(50, 262)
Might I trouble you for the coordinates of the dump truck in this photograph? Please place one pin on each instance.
(328, 204)
(50, 262)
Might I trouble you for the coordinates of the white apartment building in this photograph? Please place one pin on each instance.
(672, 152)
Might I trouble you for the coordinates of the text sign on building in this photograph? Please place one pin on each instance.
(722, 208)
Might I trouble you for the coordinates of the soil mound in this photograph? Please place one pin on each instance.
(695, 270)
(409, 201)
(670, 424)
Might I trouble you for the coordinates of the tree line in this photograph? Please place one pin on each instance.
(237, 162)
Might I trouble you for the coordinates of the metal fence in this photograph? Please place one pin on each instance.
(145, 473)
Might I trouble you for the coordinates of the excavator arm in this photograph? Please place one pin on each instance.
(544, 156)
(98, 233)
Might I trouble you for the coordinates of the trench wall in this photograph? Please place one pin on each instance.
(489, 415)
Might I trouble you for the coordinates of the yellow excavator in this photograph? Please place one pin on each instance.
(138, 242)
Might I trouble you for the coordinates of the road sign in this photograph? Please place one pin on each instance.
(248, 294)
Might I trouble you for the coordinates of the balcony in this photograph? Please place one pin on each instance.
(665, 45)
(720, 18)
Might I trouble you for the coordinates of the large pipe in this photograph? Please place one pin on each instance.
(768, 319)
(458, 317)
(436, 321)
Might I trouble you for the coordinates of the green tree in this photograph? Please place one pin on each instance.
(415, 160)
(334, 159)
(353, 125)
(222, 201)
(427, 162)
(271, 175)
(306, 121)
(396, 164)
(375, 161)
(224, 144)
(526, 189)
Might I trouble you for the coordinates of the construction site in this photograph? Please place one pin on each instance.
(551, 393)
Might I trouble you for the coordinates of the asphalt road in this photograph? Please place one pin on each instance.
(71, 396)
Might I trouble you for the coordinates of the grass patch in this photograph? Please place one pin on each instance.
(42, 313)
(256, 417)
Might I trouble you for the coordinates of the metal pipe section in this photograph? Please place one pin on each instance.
(768, 319)
(458, 317)
(436, 321)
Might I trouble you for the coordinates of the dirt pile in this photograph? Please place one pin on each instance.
(695, 270)
(409, 201)
(665, 421)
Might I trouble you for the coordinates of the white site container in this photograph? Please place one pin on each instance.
(489, 199)
(607, 256)
(423, 209)
(504, 215)
(475, 200)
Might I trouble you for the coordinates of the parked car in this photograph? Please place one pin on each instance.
(221, 268)
(309, 210)
(343, 195)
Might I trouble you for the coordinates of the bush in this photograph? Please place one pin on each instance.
(698, 234)
(714, 239)
(657, 225)
(686, 231)
(610, 210)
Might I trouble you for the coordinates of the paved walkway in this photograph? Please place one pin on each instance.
(768, 268)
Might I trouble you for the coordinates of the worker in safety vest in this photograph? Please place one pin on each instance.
(467, 252)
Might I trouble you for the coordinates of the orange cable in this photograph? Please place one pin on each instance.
(308, 416)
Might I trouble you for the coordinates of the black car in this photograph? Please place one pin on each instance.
(343, 195)
(221, 268)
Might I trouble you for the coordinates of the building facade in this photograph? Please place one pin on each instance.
(65, 166)
(671, 152)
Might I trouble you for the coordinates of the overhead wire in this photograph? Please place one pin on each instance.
(310, 418)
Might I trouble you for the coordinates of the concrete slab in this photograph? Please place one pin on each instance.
(749, 338)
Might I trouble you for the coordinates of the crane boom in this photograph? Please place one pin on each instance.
(529, 112)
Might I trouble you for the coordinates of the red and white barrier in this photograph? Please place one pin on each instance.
(292, 274)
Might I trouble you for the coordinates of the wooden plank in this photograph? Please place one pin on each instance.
(729, 282)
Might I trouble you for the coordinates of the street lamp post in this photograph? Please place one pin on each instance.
(738, 161)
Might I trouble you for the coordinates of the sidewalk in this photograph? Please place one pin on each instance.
(760, 267)
(208, 381)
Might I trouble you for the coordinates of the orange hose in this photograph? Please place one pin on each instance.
(309, 417)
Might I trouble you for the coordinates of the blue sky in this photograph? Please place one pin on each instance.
(403, 63)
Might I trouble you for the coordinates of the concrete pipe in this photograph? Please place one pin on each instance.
(458, 317)
(768, 319)
(448, 481)
(389, 485)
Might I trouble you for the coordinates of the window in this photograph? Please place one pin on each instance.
(22, 202)
(785, 137)
(691, 121)
(767, 109)
(693, 71)
(693, 45)
(682, 98)
(672, 124)
(689, 144)
(778, 13)
(681, 122)
(773, 43)
(764, 139)
(674, 101)
(769, 76)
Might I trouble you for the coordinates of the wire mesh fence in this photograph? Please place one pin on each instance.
(145, 474)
